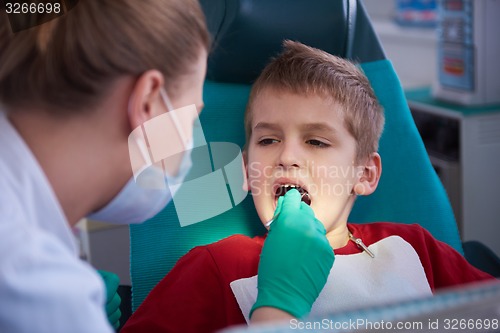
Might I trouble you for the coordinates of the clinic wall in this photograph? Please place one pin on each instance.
(106, 247)
(412, 50)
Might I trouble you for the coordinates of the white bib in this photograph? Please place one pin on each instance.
(357, 280)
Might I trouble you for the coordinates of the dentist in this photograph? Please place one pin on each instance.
(71, 92)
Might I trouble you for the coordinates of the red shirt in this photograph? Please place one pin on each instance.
(196, 296)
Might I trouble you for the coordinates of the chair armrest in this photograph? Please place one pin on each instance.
(482, 257)
(125, 293)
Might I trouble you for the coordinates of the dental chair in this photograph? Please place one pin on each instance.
(246, 34)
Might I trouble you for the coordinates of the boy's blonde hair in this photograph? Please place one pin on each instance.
(305, 70)
(70, 62)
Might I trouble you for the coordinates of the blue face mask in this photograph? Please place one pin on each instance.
(136, 203)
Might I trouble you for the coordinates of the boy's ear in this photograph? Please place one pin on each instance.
(245, 171)
(372, 170)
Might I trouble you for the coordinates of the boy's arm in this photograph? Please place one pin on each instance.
(188, 299)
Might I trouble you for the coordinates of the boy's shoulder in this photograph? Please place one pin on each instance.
(237, 247)
(237, 241)
(387, 228)
(373, 232)
(422, 241)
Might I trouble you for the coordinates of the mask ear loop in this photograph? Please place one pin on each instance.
(177, 124)
(166, 100)
(141, 144)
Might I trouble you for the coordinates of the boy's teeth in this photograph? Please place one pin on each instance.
(283, 189)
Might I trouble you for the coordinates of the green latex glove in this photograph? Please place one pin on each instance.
(113, 300)
(295, 260)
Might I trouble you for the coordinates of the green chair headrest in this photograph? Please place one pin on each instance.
(247, 33)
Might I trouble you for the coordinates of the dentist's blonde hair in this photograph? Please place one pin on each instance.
(306, 71)
(70, 62)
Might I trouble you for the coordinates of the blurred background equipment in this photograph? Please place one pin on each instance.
(468, 51)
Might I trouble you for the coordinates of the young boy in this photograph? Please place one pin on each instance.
(313, 124)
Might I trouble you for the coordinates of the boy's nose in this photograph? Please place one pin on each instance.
(289, 156)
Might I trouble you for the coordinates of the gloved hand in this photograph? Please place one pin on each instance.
(295, 260)
(113, 300)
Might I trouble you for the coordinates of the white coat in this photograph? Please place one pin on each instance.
(44, 286)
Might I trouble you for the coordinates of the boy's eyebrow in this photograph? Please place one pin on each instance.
(309, 127)
(267, 126)
(318, 127)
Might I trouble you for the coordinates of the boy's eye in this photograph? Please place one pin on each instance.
(317, 143)
(267, 142)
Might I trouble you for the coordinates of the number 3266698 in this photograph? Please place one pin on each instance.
(32, 8)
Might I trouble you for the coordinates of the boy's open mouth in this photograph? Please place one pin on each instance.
(282, 189)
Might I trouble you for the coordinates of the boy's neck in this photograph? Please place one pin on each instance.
(338, 237)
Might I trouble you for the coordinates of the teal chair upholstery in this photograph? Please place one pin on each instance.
(246, 34)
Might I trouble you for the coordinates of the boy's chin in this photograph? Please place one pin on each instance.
(266, 215)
